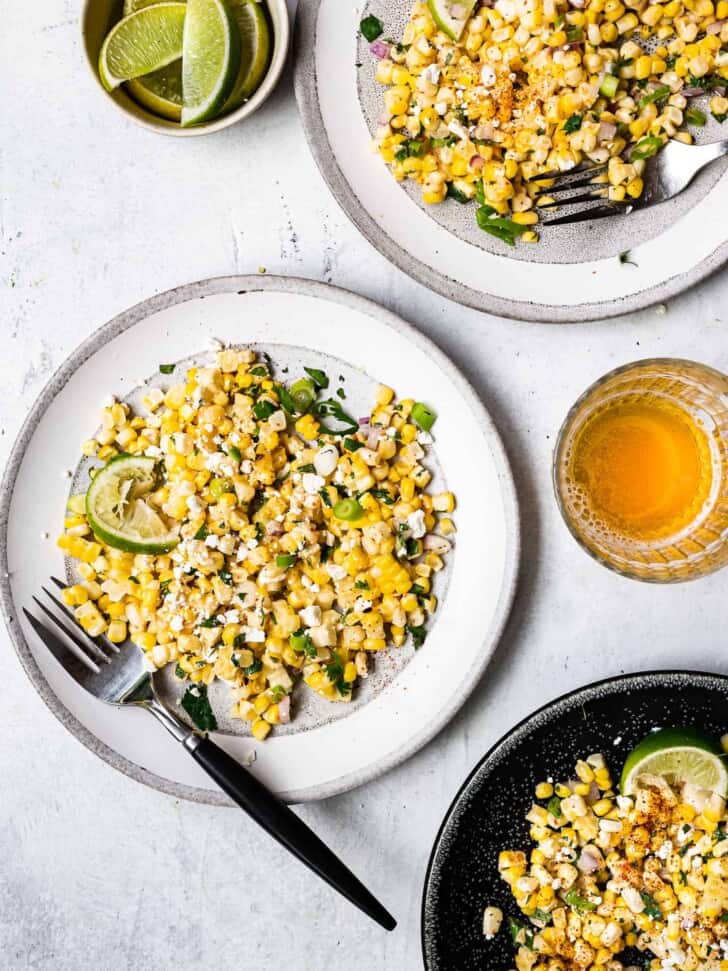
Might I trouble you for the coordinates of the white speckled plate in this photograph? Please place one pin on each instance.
(574, 274)
(488, 813)
(327, 748)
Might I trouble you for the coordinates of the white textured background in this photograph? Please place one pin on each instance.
(97, 872)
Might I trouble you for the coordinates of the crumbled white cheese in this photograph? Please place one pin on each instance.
(416, 524)
(312, 482)
(311, 616)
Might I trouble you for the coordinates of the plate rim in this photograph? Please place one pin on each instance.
(245, 283)
(614, 679)
(314, 129)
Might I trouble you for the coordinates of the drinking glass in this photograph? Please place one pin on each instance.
(700, 547)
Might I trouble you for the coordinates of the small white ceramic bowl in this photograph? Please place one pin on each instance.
(99, 16)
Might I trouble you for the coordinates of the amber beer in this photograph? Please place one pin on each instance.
(640, 470)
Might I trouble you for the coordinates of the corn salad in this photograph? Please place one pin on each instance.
(609, 872)
(302, 552)
(537, 86)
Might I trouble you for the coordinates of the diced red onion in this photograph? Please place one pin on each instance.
(364, 421)
(715, 28)
(572, 45)
(590, 860)
(476, 162)
(274, 529)
(436, 544)
(689, 92)
(458, 11)
(607, 131)
(379, 49)
(373, 437)
(284, 709)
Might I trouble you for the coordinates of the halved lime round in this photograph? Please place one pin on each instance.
(451, 16)
(210, 59)
(679, 755)
(143, 42)
(255, 50)
(118, 507)
(131, 6)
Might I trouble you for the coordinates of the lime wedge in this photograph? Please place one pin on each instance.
(451, 16)
(118, 507)
(142, 42)
(255, 49)
(679, 755)
(160, 92)
(210, 59)
(131, 6)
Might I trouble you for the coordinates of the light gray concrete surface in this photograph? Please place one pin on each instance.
(97, 872)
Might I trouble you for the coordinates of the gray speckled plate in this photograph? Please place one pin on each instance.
(574, 274)
(487, 815)
(327, 748)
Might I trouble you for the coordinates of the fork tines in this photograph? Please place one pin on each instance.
(562, 195)
(86, 649)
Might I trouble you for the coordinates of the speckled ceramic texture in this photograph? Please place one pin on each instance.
(309, 710)
(559, 244)
(487, 815)
(560, 247)
(330, 297)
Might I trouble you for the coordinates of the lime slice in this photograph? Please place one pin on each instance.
(451, 16)
(160, 92)
(679, 755)
(255, 49)
(142, 42)
(118, 507)
(210, 59)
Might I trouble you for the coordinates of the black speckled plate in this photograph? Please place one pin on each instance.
(488, 813)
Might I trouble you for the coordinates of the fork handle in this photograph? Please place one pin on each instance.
(284, 826)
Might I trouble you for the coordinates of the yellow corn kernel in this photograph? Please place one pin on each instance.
(544, 790)
(260, 729)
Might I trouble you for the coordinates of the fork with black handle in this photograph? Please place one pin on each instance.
(116, 675)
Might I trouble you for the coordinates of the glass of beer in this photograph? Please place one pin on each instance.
(641, 470)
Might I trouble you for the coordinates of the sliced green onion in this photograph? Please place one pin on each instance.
(301, 643)
(319, 378)
(694, 116)
(657, 95)
(285, 560)
(166, 368)
(349, 510)
(609, 85)
(235, 453)
(457, 194)
(574, 899)
(647, 147)
(303, 393)
(423, 416)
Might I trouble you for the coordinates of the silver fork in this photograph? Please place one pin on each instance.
(666, 174)
(116, 675)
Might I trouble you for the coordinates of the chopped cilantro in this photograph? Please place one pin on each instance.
(371, 28)
(418, 635)
(253, 668)
(263, 409)
(211, 622)
(573, 123)
(319, 378)
(226, 577)
(195, 702)
(201, 532)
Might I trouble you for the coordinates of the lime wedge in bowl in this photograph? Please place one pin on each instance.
(160, 92)
(210, 59)
(451, 16)
(679, 755)
(141, 43)
(118, 507)
(255, 50)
